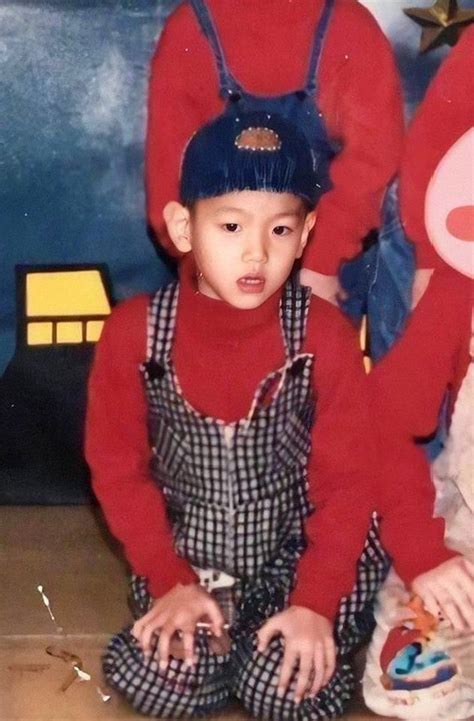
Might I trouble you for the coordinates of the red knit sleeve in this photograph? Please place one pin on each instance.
(361, 101)
(118, 451)
(407, 388)
(183, 95)
(340, 466)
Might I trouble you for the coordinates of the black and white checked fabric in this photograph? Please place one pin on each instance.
(236, 496)
(234, 491)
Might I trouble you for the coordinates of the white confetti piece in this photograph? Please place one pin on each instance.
(82, 675)
(103, 696)
(46, 602)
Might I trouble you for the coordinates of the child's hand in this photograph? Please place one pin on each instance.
(309, 644)
(178, 612)
(448, 590)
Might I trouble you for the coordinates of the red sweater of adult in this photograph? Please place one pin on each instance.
(221, 354)
(267, 45)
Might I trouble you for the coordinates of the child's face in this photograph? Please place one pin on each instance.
(245, 244)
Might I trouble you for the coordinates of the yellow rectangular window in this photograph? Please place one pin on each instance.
(93, 330)
(69, 332)
(67, 293)
(39, 333)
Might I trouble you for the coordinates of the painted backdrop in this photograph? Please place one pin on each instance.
(73, 235)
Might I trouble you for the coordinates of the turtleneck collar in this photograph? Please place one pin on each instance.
(216, 320)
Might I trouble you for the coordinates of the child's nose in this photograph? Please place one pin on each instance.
(255, 250)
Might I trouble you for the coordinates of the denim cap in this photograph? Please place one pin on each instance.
(255, 151)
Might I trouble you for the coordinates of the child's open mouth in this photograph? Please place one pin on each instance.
(251, 283)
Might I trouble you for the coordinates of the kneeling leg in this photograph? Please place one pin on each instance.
(255, 681)
(175, 692)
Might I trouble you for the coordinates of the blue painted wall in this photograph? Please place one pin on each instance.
(73, 84)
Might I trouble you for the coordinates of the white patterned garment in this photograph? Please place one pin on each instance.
(453, 473)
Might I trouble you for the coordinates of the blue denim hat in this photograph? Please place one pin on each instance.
(253, 151)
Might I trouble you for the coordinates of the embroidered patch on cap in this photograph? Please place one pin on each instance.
(258, 139)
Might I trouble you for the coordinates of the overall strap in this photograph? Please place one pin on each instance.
(294, 309)
(161, 323)
(228, 84)
(318, 44)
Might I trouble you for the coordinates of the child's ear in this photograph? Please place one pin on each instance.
(309, 222)
(177, 219)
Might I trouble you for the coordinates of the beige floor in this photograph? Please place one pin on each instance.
(67, 551)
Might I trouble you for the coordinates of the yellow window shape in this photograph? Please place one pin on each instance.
(66, 293)
(93, 330)
(39, 333)
(69, 332)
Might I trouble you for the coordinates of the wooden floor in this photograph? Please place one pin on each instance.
(67, 552)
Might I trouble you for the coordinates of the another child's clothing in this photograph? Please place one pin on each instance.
(237, 491)
(427, 677)
(453, 470)
(433, 679)
(434, 520)
(267, 45)
(408, 387)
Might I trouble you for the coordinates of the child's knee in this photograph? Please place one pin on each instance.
(257, 682)
(174, 692)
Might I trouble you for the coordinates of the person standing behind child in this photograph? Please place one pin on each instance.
(324, 64)
(230, 449)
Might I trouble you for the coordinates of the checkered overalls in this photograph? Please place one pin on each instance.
(236, 498)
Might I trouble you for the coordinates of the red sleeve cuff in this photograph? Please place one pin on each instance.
(417, 563)
(167, 574)
(327, 606)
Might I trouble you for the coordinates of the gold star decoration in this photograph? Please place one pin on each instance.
(441, 24)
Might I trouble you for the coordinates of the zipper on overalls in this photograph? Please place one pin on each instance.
(229, 433)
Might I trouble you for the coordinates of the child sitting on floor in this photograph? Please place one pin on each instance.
(229, 447)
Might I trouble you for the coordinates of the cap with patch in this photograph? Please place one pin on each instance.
(256, 151)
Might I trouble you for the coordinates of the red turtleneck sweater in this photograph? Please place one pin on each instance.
(221, 354)
(267, 45)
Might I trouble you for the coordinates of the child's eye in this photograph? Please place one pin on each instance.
(231, 227)
(281, 230)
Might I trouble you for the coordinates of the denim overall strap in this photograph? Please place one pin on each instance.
(228, 85)
(318, 44)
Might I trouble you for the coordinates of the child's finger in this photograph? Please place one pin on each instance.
(288, 664)
(464, 605)
(304, 672)
(330, 660)
(430, 603)
(146, 637)
(215, 616)
(469, 568)
(187, 640)
(318, 666)
(137, 629)
(266, 633)
(450, 612)
(163, 648)
(153, 618)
